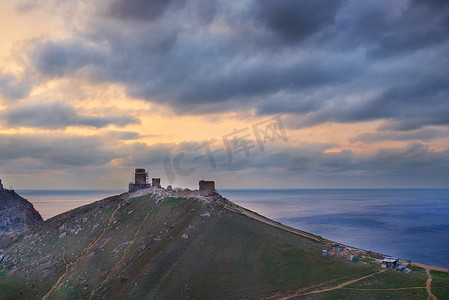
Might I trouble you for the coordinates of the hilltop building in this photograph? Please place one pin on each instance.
(1, 185)
(140, 176)
(140, 181)
(156, 182)
(207, 188)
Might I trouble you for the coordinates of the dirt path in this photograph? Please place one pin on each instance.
(119, 264)
(60, 278)
(341, 285)
(83, 255)
(310, 287)
(429, 287)
(429, 268)
(262, 219)
(389, 289)
(167, 273)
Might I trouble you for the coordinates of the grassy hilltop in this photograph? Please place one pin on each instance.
(153, 247)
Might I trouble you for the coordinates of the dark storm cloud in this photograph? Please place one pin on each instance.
(141, 10)
(320, 61)
(422, 25)
(413, 164)
(420, 101)
(54, 151)
(391, 28)
(57, 151)
(56, 59)
(59, 115)
(11, 88)
(122, 135)
(295, 20)
(417, 100)
(426, 134)
(250, 84)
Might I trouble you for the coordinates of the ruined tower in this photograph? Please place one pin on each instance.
(156, 182)
(207, 188)
(140, 176)
(140, 181)
(1, 185)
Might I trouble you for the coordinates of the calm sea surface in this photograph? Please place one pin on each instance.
(408, 223)
(50, 203)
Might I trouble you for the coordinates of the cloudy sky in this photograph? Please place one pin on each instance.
(251, 93)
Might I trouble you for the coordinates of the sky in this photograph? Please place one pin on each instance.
(251, 93)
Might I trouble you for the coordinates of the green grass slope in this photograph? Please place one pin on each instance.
(440, 284)
(174, 248)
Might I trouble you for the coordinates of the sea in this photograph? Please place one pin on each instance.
(411, 224)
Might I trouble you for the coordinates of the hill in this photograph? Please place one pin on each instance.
(17, 215)
(160, 245)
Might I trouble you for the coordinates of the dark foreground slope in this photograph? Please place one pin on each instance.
(17, 215)
(176, 248)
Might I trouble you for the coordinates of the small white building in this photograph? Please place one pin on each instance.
(390, 262)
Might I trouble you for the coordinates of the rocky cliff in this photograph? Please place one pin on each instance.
(17, 215)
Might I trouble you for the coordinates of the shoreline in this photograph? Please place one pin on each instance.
(256, 216)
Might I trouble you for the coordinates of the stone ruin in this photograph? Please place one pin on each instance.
(140, 181)
(207, 188)
(140, 176)
(1, 185)
(156, 182)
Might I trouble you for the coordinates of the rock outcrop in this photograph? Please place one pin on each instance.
(17, 215)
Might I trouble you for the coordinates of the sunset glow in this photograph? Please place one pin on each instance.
(91, 90)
